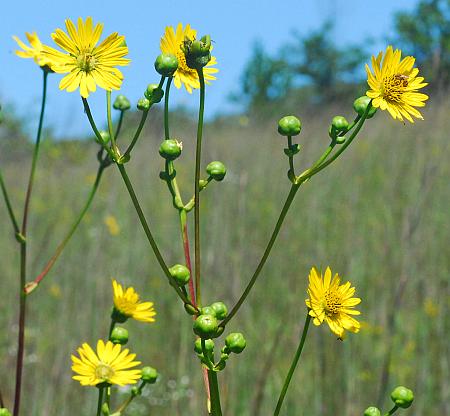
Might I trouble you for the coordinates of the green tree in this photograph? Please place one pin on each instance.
(425, 33)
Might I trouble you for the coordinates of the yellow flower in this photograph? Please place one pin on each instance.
(87, 64)
(331, 302)
(109, 365)
(34, 50)
(394, 84)
(171, 43)
(112, 225)
(126, 302)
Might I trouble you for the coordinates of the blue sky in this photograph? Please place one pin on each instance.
(234, 26)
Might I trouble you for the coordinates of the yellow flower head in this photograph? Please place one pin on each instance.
(109, 365)
(33, 51)
(112, 225)
(394, 84)
(331, 302)
(171, 43)
(87, 63)
(126, 302)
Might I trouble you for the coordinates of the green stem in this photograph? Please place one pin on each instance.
(291, 157)
(31, 286)
(284, 211)
(149, 235)
(23, 254)
(111, 327)
(198, 154)
(187, 254)
(119, 125)
(100, 400)
(9, 206)
(110, 123)
(392, 411)
(293, 365)
(125, 404)
(166, 109)
(137, 134)
(216, 410)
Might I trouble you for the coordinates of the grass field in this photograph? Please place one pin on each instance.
(378, 216)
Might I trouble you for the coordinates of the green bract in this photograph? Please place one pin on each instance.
(216, 170)
(235, 342)
(166, 64)
(170, 149)
(121, 103)
(289, 126)
(180, 273)
(360, 105)
(205, 326)
(119, 335)
(149, 375)
(402, 397)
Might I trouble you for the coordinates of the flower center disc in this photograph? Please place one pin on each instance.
(104, 372)
(394, 86)
(86, 61)
(182, 63)
(332, 303)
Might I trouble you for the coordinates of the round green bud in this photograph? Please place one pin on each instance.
(153, 93)
(216, 170)
(105, 137)
(209, 346)
(220, 310)
(208, 310)
(149, 375)
(135, 392)
(339, 123)
(289, 126)
(143, 104)
(197, 52)
(402, 397)
(372, 411)
(170, 149)
(121, 103)
(166, 64)
(205, 326)
(4, 412)
(180, 273)
(235, 342)
(360, 105)
(119, 335)
(202, 183)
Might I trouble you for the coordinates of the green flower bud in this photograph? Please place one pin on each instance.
(121, 103)
(180, 273)
(208, 310)
(209, 346)
(221, 365)
(105, 137)
(143, 104)
(135, 391)
(166, 64)
(153, 93)
(119, 335)
(372, 411)
(170, 149)
(235, 342)
(360, 105)
(220, 310)
(402, 397)
(105, 409)
(197, 52)
(149, 375)
(4, 412)
(205, 326)
(216, 170)
(339, 123)
(289, 126)
(202, 183)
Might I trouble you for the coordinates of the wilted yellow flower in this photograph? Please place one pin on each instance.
(109, 365)
(127, 303)
(331, 302)
(171, 43)
(394, 84)
(88, 65)
(112, 224)
(33, 51)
